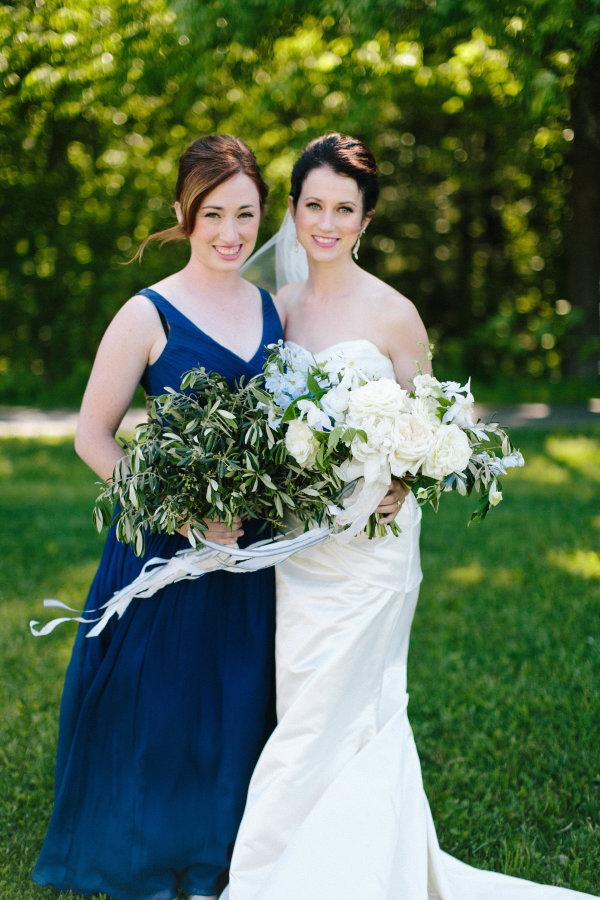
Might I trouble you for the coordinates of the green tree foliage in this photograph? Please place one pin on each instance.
(467, 106)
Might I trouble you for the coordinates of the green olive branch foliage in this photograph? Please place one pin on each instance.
(208, 452)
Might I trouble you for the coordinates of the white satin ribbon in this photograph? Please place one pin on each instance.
(157, 573)
(359, 506)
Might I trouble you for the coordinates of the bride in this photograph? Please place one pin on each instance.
(336, 808)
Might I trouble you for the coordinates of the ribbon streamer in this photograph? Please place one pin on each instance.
(157, 573)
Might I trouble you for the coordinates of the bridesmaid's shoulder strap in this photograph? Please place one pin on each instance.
(270, 313)
(161, 305)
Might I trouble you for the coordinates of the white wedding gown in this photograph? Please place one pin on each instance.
(336, 808)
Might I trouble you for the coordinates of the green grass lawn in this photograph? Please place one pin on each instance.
(504, 665)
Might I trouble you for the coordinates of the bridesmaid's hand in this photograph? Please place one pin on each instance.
(219, 532)
(390, 506)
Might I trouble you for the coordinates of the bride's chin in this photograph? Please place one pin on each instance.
(322, 254)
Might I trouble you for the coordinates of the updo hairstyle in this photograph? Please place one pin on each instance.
(345, 155)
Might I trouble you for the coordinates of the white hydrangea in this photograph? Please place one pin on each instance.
(285, 386)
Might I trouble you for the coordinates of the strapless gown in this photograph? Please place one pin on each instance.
(336, 808)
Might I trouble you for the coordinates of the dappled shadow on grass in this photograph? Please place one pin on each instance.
(504, 666)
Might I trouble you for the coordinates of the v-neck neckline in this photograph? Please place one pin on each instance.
(246, 362)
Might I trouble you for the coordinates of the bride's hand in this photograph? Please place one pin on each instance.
(390, 506)
(218, 532)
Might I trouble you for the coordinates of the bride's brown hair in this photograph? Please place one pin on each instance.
(206, 164)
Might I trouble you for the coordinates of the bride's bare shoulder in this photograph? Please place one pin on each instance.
(392, 307)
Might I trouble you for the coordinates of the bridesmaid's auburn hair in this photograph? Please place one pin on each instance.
(203, 166)
(345, 155)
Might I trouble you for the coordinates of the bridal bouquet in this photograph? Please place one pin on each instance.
(338, 420)
(319, 441)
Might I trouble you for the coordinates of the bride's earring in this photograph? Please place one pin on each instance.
(357, 245)
(296, 242)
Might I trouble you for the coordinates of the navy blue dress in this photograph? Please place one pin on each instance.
(165, 713)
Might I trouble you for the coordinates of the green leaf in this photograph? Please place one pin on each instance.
(314, 386)
(291, 412)
(334, 437)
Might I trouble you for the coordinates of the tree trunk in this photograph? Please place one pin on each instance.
(584, 238)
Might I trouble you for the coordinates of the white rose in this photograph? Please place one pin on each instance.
(301, 443)
(383, 398)
(380, 433)
(426, 408)
(451, 453)
(363, 450)
(413, 439)
(374, 462)
(427, 386)
(335, 403)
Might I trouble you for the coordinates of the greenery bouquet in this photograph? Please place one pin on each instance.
(208, 451)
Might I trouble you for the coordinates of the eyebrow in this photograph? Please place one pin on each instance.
(245, 206)
(341, 203)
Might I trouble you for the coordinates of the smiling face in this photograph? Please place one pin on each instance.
(226, 225)
(329, 215)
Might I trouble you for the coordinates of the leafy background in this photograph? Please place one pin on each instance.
(485, 119)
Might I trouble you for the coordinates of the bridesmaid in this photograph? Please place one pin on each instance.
(164, 715)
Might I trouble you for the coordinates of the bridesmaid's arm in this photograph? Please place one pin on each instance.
(120, 362)
(133, 338)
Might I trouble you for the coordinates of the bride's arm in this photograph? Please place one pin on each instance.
(408, 349)
(407, 342)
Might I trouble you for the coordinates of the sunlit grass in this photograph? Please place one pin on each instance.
(504, 670)
(579, 453)
(585, 563)
(504, 663)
